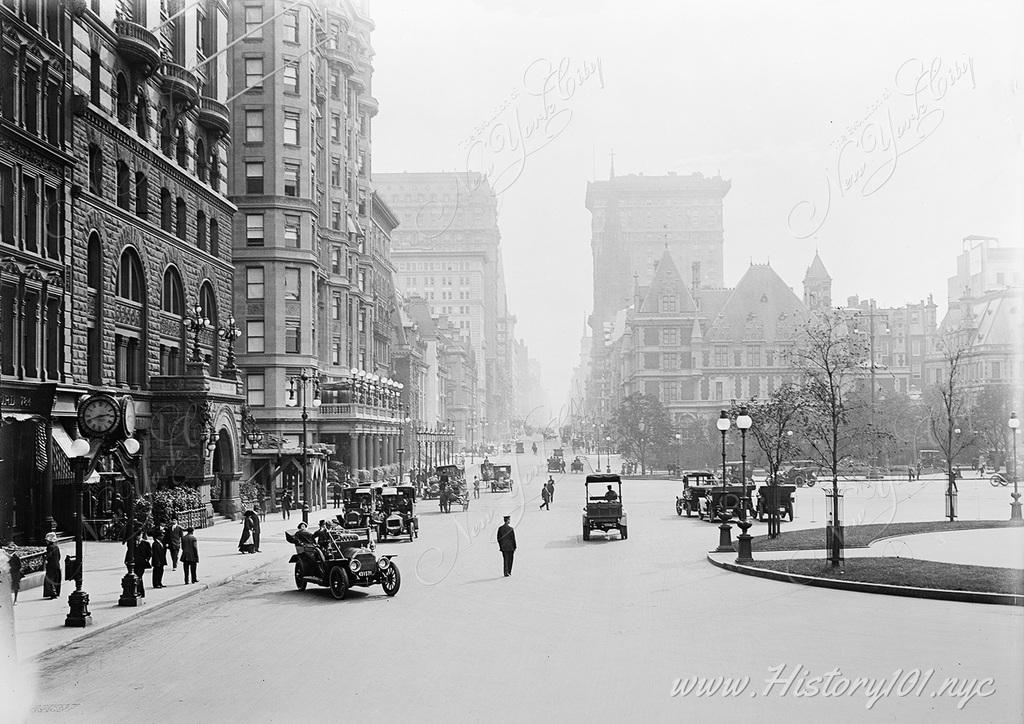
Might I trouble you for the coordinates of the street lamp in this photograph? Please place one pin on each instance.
(743, 422)
(1014, 425)
(229, 332)
(607, 455)
(679, 453)
(302, 381)
(78, 602)
(643, 429)
(196, 323)
(724, 530)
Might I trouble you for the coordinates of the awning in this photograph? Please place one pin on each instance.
(9, 417)
(352, 229)
(61, 437)
(61, 466)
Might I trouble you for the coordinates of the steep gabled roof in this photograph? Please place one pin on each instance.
(817, 271)
(667, 281)
(761, 308)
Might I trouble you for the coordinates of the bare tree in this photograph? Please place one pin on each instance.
(949, 407)
(829, 358)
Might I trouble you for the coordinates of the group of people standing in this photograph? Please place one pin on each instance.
(171, 538)
(547, 494)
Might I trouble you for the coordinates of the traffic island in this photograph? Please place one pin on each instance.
(893, 576)
(861, 536)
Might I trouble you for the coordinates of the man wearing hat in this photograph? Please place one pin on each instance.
(507, 545)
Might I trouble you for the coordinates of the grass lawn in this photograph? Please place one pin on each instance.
(860, 536)
(907, 572)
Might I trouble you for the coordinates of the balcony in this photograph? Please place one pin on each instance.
(137, 45)
(181, 84)
(358, 411)
(214, 115)
(342, 56)
(370, 104)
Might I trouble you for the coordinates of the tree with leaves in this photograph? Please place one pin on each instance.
(949, 407)
(639, 424)
(829, 359)
(990, 410)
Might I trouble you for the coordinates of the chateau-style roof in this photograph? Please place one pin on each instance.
(817, 271)
(761, 308)
(667, 281)
(997, 318)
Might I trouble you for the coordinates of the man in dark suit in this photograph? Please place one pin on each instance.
(173, 541)
(159, 562)
(507, 545)
(143, 555)
(189, 554)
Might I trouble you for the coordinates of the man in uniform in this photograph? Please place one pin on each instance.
(507, 545)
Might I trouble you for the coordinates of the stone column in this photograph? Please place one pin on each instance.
(353, 452)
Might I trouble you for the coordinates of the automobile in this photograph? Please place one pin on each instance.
(556, 464)
(801, 473)
(781, 495)
(502, 479)
(577, 465)
(398, 513)
(734, 470)
(695, 483)
(604, 511)
(339, 559)
(360, 506)
(520, 449)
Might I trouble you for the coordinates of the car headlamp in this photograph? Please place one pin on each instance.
(383, 563)
(354, 565)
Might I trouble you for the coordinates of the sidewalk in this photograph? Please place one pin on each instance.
(39, 624)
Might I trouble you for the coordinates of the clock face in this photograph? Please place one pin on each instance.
(98, 415)
(127, 416)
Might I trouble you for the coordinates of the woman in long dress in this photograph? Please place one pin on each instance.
(51, 583)
(254, 520)
(246, 532)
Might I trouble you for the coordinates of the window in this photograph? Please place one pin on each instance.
(214, 237)
(94, 77)
(173, 300)
(737, 359)
(670, 337)
(254, 282)
(335, 79)
(255, 389)
(129, 278)
(336, 306)
(142, 118)
(254, 177)
(668, 303)
(291, 231)
(254, 330)
(753, 356)
(180, 218)
(124, 186)
(166, 214)
(336, 260)
(254, 73)
(670, 361)
(291, 283)
(253, 126)
(291, 77)
(335, 128)
(336, 215)
(292, 339)
(95, 170)
(335, 172)
(201, 160)
(291, 128)
(721, 357)
(253, 21)
(254, 229)
(201, 241)
(769, 358)
(336, 351)
(291, 179)
(94, 272)
(8, 69)
(30, 217)
(291, 26)
(182, 146)
(123, 111)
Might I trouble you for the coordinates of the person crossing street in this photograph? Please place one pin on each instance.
(507, 545)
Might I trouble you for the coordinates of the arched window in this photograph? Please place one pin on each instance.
(215, 171)
(201, 231)
(166, 212)
(129, 278)
(95, 169)
(124, 186)
(94, 274)
(166, 140)
(208, 303)
(201, 162)
(141, 195)
(182, 146)
(180, 220)
(173, 300)
(142, 117)
(124, 113)
(214, 237)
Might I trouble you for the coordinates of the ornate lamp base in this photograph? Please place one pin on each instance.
(129, 591)
(78, 613)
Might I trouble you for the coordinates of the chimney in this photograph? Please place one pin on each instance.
(695, 276)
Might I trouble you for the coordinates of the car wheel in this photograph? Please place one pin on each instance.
(800, 481)
(300, 582)
(337, 581)
(391, 580)
(679, 508)
(790, 511)
(624, 532)
(586, 532)
(810, 482)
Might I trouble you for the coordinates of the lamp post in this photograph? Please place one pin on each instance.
(302, 381)
(195, 324)
(643, 429)
(1014, 425)
(724, 530)
(679, 454)
(743, 422)
(607, 455)
(78, 602)
(229, 332)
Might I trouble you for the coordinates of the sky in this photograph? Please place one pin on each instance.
(878, 133)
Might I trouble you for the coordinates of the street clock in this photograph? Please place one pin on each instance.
(99, 415)
(128, 418)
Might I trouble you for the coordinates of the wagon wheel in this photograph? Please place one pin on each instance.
(391, 579)
(300, 582)
(679, 508)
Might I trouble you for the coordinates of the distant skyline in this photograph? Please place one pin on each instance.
(796, 105)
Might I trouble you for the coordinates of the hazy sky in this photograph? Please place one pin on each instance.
(796, 103)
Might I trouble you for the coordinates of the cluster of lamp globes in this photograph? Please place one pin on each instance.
(743, 421)
(364, 376)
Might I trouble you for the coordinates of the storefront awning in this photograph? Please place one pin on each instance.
(61, 467)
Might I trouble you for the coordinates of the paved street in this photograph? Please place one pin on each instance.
(580, 631)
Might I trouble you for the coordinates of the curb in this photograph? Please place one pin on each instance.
(143, 610)
(938, 594)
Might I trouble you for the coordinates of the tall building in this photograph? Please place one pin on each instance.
(313, 284)
(447, 250)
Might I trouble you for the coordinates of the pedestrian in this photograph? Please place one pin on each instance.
(189, 554)
(14, 563)
(51, 582)
(263, 508)
(337, 495)
(244, 546)
(172, 540)
(159, 560)
(550, 485)
(545, 496)
(286, 505)
(138, 564)
(476, 486)
(507, 545)
(255, 532)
